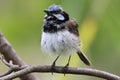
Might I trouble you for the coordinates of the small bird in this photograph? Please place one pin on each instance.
(60, 35)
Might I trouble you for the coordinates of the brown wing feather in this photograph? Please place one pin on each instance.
(72, 26)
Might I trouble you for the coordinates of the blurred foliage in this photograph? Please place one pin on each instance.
(99, 24)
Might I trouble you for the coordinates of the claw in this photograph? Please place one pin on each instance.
(53, 67)
(65, 68)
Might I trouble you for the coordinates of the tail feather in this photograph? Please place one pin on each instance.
(84, 58)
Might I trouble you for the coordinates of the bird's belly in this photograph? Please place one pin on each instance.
(62, 42)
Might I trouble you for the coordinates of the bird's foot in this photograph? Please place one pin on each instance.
(53, 68)
(65, 68)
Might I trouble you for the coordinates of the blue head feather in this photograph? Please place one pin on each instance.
(54, 8)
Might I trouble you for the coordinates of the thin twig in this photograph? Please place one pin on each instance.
(23, 70)
(59, 69)
(8, 72)
(11, 66)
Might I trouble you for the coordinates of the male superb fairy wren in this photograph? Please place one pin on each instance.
(60, 34)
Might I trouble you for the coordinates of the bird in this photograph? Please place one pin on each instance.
(60, 35)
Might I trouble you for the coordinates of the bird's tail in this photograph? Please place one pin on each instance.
(84, 58)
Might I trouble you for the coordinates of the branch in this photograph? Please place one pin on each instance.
(12, 67)
(59, 69)
(10, 54)
(14, 62)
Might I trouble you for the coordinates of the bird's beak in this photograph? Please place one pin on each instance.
(46, 11)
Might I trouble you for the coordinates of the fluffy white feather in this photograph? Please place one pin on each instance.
(61, 42)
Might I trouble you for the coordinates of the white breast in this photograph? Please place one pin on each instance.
(61, 42)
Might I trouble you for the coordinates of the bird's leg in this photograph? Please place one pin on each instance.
(68, 61)
(66, 66)
(53, 65)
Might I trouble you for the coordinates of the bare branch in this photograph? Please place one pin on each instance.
(8, 72)
(12, 67)
(14, 62)
(10, 54)
(9, 64)
(59, 69)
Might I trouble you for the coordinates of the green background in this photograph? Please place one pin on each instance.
(99, 27)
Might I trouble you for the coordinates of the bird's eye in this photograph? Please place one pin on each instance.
(59, 17)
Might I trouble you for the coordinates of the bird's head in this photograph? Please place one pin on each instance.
(56, 14)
